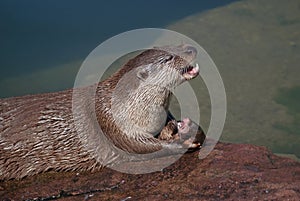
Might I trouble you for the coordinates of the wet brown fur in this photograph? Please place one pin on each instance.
(37, 132)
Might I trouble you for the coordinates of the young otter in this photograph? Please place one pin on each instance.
(186, 132)
(41, 132)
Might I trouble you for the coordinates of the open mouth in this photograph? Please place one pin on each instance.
(190, 71)
(186, 122)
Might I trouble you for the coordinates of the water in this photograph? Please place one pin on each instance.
(290, 99)
(39, 38)
(256, 47)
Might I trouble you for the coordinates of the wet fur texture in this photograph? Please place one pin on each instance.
(38, 133)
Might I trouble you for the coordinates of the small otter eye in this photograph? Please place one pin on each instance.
(167, 58)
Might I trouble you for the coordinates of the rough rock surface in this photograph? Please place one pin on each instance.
(230, 172)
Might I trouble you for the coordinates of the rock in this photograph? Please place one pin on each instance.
(229, 172)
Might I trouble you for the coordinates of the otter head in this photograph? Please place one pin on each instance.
(168, 66)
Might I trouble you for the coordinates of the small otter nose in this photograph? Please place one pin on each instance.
(190, 50)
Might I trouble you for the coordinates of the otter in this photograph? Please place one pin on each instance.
(40, 132)
(186, 131)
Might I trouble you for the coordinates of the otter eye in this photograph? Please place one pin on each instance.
(167, 58)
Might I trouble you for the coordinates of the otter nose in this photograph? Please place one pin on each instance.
(190, 50)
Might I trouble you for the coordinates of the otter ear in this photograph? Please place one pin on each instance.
(143, 72)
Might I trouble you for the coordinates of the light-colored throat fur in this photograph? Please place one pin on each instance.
(141, 99)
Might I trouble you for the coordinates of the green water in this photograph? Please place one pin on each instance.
(290, 99)
(256, 47)
(40, 37)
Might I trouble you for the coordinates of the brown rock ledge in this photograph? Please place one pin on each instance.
(230, 172)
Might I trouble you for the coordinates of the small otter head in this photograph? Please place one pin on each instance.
(168, 66)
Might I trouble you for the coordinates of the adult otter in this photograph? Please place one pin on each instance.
(38, 132)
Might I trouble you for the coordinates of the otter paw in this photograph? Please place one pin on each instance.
(190, 144)
(191, 134)
(185, 134)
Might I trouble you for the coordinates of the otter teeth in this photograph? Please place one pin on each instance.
(180, 124)
(197, 67)
(190, 71)
(194, 70)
